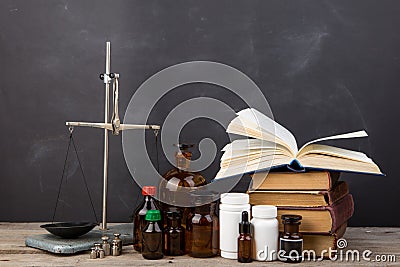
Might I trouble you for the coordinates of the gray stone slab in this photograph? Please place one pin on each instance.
(55, 244)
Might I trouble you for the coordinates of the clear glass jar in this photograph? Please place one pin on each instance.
(202, 230)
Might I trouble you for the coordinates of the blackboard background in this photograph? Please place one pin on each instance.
(326, 67)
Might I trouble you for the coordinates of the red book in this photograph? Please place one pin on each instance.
(326, 219)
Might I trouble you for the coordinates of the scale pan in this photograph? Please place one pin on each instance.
(69, 229)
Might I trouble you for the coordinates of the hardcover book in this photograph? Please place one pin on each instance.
(274, 146)
(300, 198)
(313, 180)
(320, 243)
(321, 219)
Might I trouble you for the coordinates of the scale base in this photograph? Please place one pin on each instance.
(58, 245)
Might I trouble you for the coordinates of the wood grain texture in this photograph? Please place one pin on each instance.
(14, 253)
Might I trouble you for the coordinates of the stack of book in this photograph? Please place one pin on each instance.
(309, 184)
(319, 197)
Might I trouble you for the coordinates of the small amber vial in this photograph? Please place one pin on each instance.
(152, 236)
(244, 239)
(174, 235)
(291, 241)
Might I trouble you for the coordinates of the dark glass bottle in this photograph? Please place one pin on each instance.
(178, 178)
(180, 175)
(202, 230)
(174, 234)
(244, 239)
(152, 236)
(139, 220)
(291, 241)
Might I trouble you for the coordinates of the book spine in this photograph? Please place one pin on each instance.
(337, 193)
(341, 211)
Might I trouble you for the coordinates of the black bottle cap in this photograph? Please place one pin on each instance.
(173, 215)
(291, 218)
(184, 146)
(244, 225)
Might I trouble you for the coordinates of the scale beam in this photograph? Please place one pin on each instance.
(109, 126)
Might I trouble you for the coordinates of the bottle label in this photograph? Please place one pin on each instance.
(291, 249)
(173, 184)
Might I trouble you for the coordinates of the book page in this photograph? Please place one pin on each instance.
(255, 120)
(327, 162)
(356, 134)
(334, 152)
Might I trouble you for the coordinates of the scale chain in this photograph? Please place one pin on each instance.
(71, 140)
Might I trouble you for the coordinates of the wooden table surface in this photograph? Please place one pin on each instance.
(383, 242)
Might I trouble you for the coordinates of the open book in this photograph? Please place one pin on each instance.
(272, 145)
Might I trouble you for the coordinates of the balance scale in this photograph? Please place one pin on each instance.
(60, 245)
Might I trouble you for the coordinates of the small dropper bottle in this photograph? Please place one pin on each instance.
(244, 239)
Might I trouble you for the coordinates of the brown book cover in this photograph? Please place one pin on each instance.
(321, 219)
(322, 242)
(312, 180)
(300, 198)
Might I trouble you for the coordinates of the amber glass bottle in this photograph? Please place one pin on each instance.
(291, 241)
(202, 230)
(244, 239)
(179, 177)
(152, 236)
(174, 235)
(139, 218)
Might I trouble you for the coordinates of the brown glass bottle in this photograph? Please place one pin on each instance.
(291, 241)
(174, 235)
(202, 231)
(178, 178)
(152, 236)
(244, 239)
(139, 217)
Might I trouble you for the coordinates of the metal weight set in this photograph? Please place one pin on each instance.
(103, 249)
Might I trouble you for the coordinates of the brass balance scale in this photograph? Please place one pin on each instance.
(64, 238)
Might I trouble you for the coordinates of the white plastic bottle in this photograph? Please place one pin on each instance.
(265, 233)
(230, 214)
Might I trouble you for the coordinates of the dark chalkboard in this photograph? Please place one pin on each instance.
(326, 67)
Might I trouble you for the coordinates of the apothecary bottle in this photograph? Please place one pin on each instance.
(148, 203)
(180, 177)
(174, 235)
(152, 236)
(291, 241)
(202, 228)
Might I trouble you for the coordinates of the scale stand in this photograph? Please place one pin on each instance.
(59, 245)
(114, 126)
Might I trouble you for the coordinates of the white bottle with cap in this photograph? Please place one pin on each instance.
(265, 232)
(230, 214)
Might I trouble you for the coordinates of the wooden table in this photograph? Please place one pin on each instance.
(13, 252)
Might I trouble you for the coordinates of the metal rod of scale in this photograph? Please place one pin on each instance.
(115, 126)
